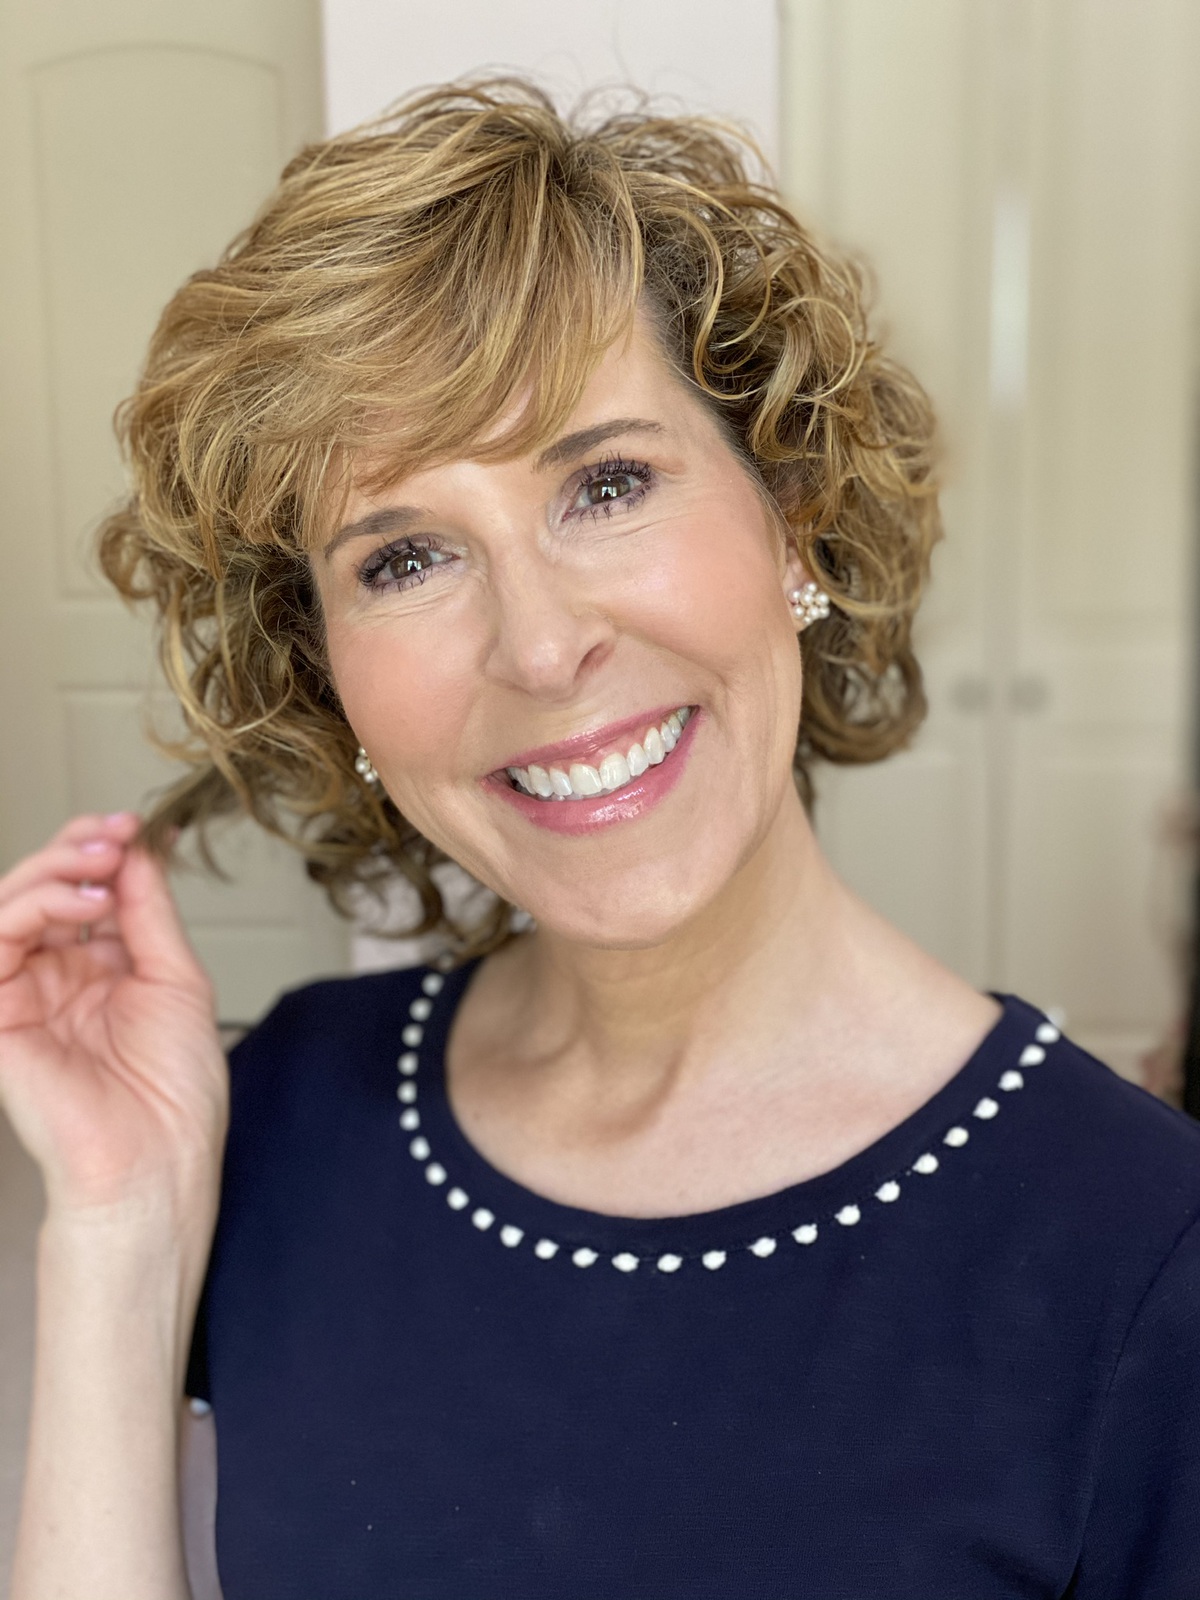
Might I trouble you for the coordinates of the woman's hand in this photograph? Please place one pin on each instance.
(111, 1068)
(112, 1072)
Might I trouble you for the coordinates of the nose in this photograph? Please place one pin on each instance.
(549, 634)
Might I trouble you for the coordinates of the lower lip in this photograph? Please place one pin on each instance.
(603, 810)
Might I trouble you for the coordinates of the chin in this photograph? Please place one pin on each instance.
(628, 912)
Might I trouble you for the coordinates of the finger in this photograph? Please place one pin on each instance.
(95, 860)
(25, 921)
(93, 932)
(105, 833)
(119, 825)
(150, 924)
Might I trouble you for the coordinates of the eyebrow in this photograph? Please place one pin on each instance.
(394, 519)
(388, 519)
(575, 444)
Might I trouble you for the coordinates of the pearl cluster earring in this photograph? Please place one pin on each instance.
(810, 604)
(364, 768)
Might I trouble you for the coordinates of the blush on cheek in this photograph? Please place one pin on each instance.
(710, 595)
(409, 705)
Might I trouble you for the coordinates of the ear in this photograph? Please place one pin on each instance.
(795, 573)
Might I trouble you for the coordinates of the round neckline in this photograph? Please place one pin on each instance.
(912, 1151)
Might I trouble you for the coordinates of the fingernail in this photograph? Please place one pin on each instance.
(118, 816)
(93, 891)
(93, 847)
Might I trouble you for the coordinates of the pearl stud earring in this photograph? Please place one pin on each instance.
(364, 768)
(810, 604)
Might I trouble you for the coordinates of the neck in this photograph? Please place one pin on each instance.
(778, 1032)
(668, 1008)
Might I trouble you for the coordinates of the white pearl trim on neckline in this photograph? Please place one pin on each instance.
(806, 1233)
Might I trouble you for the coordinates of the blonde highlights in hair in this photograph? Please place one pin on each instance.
(469, 257)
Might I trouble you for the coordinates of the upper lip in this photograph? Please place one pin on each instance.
(583, 745)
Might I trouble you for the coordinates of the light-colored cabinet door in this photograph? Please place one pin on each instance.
(139, 136)
(1024, 178)
(1103, 512)
(880, 141)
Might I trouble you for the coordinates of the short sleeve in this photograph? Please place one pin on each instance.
(1143, 1531)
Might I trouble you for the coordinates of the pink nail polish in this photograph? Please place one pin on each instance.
(93, 891)
(94, 847)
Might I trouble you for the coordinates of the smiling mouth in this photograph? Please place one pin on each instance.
(581, 781)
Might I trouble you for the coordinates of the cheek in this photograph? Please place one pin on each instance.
(720, 604)
(713, 595)
(406, 703)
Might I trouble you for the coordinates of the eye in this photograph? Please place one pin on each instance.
(402, 565)
(600, 489)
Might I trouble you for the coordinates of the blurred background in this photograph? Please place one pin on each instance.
(1022, 177)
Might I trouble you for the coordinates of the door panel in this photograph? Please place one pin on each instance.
(903, 836)
(880, 145)
(139, 138)
(1103, 516)
(127, 209)
(1024, 178)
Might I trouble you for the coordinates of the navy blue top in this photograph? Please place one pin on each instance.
(964, 1365)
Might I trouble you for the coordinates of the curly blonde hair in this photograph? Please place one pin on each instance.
(468, 252)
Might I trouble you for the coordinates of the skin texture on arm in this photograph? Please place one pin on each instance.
(100, 1514)
(113, 1076)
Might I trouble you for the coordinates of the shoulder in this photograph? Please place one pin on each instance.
(332, 1005)
(1100, 1155)
(322, 1037)
(1140, 1535)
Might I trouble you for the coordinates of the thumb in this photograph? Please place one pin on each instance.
(150, 924)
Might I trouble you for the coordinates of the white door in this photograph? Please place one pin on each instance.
(139, 136)
(1024, 177)
(1103, 513)
(881, 141)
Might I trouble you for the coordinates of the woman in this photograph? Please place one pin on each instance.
(706, 1238)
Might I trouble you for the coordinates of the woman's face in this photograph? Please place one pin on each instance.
(545, 617)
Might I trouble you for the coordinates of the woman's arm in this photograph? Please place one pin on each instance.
(100, 1514)
(112, 1073)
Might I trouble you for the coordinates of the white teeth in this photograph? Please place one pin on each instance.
(614, 771)
(585, 780)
